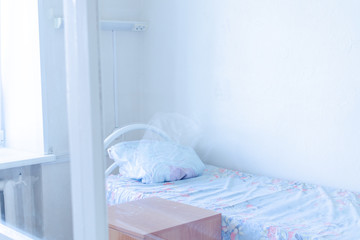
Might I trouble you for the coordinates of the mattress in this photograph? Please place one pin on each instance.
(256, 207)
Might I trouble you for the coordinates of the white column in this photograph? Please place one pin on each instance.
(84, 118)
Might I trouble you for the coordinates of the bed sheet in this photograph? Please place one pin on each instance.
(256, 207)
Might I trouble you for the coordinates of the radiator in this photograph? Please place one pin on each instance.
(17, 203)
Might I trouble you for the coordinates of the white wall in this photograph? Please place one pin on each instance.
(57, 218)
(275, 84)
(129, 64)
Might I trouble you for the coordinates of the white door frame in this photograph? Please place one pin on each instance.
(84, 118)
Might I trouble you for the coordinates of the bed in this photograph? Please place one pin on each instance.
(252, 207)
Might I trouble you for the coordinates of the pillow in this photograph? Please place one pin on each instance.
(156, 161)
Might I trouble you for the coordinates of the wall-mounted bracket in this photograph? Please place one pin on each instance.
(109, 25)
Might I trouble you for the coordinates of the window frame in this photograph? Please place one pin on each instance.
(84, 109)
(82, 51)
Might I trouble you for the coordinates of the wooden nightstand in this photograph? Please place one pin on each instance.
(157, 218)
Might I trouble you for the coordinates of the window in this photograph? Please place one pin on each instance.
(22, 204)
(23, 85)
(2, 134)
(21, 75)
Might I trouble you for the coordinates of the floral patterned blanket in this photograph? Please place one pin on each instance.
(256, 207)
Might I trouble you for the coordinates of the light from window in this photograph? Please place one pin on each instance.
(21, 75)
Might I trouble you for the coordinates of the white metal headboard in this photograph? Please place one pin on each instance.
(121, 131)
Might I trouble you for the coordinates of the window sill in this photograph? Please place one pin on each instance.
(10, 158)
(8, 233)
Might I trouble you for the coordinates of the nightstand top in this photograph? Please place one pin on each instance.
(148, 216)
